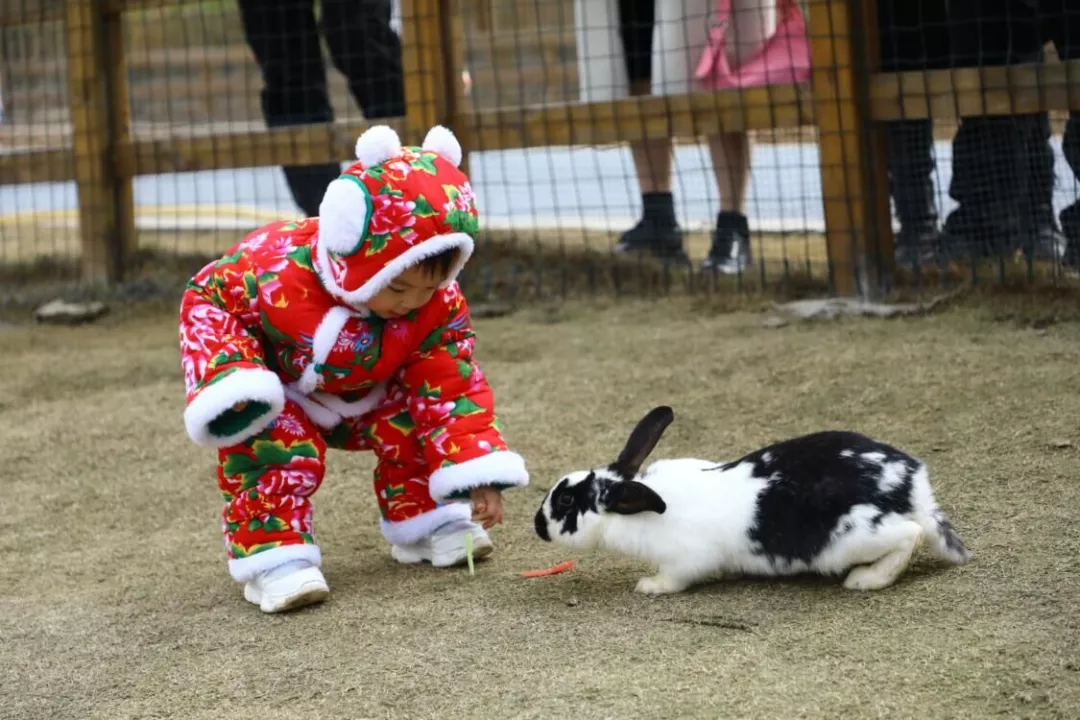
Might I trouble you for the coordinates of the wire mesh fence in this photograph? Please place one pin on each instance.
(614, 145)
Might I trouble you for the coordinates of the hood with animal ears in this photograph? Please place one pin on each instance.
(391, 209)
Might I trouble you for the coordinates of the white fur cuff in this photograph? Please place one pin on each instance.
(244, 569)
(422, 526)
(245, 385)
(497, 468)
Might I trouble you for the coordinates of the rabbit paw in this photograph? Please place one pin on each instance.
(885, 570)
(659, 585)
(866, 577)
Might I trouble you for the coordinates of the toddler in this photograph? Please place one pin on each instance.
(348, 331)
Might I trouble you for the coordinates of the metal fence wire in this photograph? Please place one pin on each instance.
(615, 146)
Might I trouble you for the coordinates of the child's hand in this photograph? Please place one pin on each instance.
(487, 506)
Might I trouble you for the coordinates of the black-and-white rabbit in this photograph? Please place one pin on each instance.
(828, 503)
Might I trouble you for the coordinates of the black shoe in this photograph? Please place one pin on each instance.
(660, 239)
(657, 233)
(919, 248)
(730, 253)
(1046, 243)
(970, 236)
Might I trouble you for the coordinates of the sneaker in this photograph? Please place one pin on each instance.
(293, 585)
(918, 249)
(660, 239)
(657, 233)
(1046, 243)
(730, 252)
(445, 547)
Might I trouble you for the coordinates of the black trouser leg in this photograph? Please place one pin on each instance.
(911, 168)
(367, 51)
(914, 36)
(1070, 216)
(1061, 24)
(999, 170)
(285, 41)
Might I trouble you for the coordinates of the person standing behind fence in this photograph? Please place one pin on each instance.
(614, 53)
(1003, 166)
(1060, 23)
(285, 39)
(711, 44)
(914, 35)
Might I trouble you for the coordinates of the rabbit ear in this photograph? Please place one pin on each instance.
(630, 498)
(642, 441)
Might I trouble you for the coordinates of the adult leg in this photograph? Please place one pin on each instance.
(752, 23)
(1070, 216)
(285, 41)
(992, 156)
(914, 36)
(1062, 25)
(367, 51)
(657, 230)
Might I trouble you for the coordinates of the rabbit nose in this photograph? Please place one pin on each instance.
(540, 523)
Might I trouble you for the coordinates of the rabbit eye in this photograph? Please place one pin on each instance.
(566, 502)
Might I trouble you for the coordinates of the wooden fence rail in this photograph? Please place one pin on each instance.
(846, 100)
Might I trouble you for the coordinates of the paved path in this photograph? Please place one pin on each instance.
(517, 189)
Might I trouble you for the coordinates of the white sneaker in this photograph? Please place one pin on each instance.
(295, 584)
(445, 548)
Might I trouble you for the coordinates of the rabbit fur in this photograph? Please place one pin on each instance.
(831, 503)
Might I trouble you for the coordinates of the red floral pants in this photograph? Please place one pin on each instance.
(268, 480)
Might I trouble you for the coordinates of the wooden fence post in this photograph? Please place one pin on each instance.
(421, 57)
(844, 51)
(452, 33)
(97, 88)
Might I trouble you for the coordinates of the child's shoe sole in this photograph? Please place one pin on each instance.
(296, 590)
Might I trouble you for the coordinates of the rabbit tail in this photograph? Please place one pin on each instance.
(942, 538)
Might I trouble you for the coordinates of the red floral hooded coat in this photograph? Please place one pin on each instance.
(281, 315)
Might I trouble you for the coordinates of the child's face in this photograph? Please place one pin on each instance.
(407, 292)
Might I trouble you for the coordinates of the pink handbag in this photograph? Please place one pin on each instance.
(784, 58)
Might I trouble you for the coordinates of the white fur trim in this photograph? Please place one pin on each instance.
(344, 214)
(398, 265)
(364, 405)
(504, 468)
(244, 569)
(322, 342)
(422, 526)
(246, 384)
(441, 140)
(376, 145)
(322, 416)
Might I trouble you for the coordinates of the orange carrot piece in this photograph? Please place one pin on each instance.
(555, 570)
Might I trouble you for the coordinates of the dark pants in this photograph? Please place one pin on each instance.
(285, 39)
(913, 35)
(1003, 166)
(636, 21)
(1060, 24)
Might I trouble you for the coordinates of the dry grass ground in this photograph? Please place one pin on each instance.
(115, 602)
